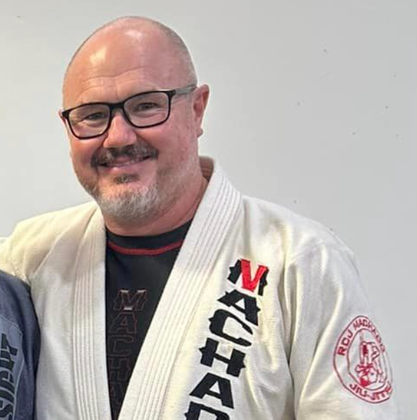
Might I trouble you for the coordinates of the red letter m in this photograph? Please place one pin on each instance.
(248, 282)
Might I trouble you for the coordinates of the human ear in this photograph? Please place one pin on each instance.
(201, 95)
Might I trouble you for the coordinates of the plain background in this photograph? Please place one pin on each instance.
(313, 106)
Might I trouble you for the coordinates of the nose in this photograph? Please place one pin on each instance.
(120, 133)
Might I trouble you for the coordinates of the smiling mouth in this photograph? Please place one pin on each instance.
(123, 161)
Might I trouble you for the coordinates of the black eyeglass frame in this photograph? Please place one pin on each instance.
(121, 105)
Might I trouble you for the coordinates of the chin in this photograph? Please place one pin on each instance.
(128, 202)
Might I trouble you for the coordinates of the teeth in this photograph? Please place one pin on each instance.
(130, 162)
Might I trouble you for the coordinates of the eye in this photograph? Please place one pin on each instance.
(89, 115)
(146, 106)
(95, 116)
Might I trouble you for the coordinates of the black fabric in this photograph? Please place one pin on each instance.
(137, 269)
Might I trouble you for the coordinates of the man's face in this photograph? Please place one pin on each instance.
(130, 171)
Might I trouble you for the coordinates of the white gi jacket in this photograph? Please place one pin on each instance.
(263, 317)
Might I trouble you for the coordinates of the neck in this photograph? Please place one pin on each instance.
(172, 216)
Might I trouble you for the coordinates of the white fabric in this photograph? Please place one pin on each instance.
(312, 294)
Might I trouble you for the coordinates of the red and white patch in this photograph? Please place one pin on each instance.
(361, 362)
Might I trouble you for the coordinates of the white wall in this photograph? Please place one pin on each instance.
(312, 107)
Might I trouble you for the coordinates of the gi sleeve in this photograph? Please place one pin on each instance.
(338, 359)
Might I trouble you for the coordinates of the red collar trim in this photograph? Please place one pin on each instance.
(144, 251)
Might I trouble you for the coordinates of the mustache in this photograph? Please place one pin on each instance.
(132, 151)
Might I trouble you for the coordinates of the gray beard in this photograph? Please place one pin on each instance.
(125, 206)
(128, 206)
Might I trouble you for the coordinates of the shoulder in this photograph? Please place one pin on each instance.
(294, 233)
(33, 238)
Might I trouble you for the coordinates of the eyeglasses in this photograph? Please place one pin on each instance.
(143, 110)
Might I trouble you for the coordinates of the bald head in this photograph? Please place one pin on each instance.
(143, 36)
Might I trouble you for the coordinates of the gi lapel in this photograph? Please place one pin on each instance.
(150, 379)
(89, 333)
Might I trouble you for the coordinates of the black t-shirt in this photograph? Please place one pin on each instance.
(137, 269)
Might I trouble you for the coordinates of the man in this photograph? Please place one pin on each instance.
(19, 350)
(173, 296)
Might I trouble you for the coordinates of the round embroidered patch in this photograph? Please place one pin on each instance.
(361, 362)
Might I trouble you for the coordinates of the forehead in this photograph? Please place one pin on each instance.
(117, 64)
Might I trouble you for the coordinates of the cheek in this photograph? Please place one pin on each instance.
(82, 152)
(174, 138)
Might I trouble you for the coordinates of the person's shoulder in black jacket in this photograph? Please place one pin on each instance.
(19, 349)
